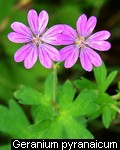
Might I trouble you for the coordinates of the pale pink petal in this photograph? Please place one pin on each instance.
(85, 60)
(81, 23)
(100, 45)
(99, 36)
(33, 21)
(21, 28)
(50, 36)
(93, 56)
(31, 58)
(66, 51)
(18, 38)
(68, 36)
(43, 21)
(52, 52)
(71, 54)
(64, 40)
(90, 25)
(44, 58)
(21, 53)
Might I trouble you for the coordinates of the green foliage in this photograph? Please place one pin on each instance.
(102, 79)
(8, 7)
(67, 113)
(65, 118)
(13, 121)
(41, 105)
(61, 127)
(65, 12)
(66, 95)
(58, 119)
(28, 96)
(85, 84)
(104, 102)
(48, 88)
(97, 4)
(5, 147)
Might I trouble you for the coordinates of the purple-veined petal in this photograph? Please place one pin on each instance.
(93, 56)
(81, 23)
(43, 21)
(50, 36)
(90, 25)
(33, 21)
(70, 55)
(21, 28)
(18, 38)
(66, 51)
(52, 52)
(21, 53)
(99, 36)
(44, 57)
(85, 60)
(31, 58)
(68, 36)
(72, 59)
(100, 45)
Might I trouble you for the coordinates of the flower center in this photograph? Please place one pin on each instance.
(80, 42)
(37, 40)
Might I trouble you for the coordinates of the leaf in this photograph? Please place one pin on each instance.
(66, 95)
(106, 109)
(48, 129)
(13, 121)
(109, 79)
(65, 123)
(84, 83)
(48, 87)
(102, 79)
(42, 112)
(100, 74)
(62, 127)
(28, 96)
(84, 104)
(75, 130)
(108, 115)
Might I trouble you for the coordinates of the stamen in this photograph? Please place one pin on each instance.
(37, 40)
(80, 42)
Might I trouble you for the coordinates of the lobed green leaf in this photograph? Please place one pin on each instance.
(13, 121)
(28, 96)
(66, 95)
(84, 83)
(84, 104)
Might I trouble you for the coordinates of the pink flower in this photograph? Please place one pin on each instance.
(81, 43)
(37, 40)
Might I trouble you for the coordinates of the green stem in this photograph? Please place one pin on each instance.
(116, 96)
(115, 108)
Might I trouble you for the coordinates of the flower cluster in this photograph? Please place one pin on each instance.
(38, 41)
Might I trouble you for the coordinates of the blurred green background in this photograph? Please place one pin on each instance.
(60, 11)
